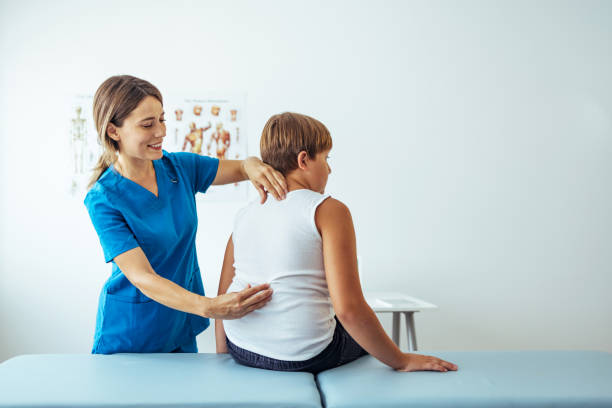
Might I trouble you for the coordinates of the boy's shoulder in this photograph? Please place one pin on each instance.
(332, 212)
(333, 206)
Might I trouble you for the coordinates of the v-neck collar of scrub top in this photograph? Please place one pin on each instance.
(138, 187)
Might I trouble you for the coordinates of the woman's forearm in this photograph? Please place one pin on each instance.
(264, 178)
(170, 294)
(136, 268)
(230, 171)
(228, 306)
(365, 328)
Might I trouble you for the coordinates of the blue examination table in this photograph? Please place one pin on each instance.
(484, 379)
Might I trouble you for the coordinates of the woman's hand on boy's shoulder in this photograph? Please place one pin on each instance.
(265, 179)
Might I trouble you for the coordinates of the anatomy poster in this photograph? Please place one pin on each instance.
(209, 126)
(84, 150)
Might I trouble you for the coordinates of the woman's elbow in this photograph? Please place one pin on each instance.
(143, 281)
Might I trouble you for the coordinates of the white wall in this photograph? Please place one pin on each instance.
(472, 142)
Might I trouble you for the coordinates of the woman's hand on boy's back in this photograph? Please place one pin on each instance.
(234, 305)
(417, 362)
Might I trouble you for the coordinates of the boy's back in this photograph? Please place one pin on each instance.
(278, 242)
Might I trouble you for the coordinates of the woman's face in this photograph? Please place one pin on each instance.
(143, 131)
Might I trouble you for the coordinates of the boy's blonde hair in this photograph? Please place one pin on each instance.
(287, 134)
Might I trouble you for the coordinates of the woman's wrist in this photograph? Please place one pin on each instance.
(243, 167)
(245, 163)
(206, 307)
(243, 171)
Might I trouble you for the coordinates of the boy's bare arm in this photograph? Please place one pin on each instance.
(334, 221)
(221, 345)
(227, 274)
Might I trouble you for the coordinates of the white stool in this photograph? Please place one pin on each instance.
(398, 303)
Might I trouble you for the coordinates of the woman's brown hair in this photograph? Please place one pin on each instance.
(287, 134)
(114, 100)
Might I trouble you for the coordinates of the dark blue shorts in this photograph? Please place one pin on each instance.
(342, 349)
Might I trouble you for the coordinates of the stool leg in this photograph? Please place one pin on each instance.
(410, 331)
(395, 335)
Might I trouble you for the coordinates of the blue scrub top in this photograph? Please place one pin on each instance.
(127, 215)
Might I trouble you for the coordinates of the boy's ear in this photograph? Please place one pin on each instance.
(302, 160)
(111, 130)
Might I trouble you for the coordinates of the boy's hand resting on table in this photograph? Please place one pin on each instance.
(417, 362)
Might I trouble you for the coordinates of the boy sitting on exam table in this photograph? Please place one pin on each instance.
(305, 248)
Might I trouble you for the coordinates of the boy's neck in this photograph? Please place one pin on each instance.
(295, 182)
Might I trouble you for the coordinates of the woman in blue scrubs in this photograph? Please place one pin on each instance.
(142, 204)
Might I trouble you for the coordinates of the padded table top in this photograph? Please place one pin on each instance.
(154, 380)
(484, 379)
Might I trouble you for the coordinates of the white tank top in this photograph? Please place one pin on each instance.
(278, 243)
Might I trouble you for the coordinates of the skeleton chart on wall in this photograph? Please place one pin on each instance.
(82, 138)
(205, 126)
(210, 126)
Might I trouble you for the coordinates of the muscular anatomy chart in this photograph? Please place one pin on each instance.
(209, 126)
